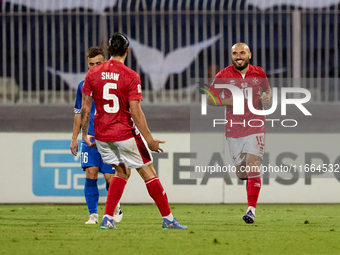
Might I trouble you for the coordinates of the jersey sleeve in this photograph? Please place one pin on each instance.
(135, 89)
(87, 90)
(77, 105)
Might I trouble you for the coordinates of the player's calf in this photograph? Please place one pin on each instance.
(241, 173)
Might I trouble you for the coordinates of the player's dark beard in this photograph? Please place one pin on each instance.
(240, 68)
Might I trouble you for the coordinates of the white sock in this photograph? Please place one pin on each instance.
(170, 217)
(109, 216)
(252, 209)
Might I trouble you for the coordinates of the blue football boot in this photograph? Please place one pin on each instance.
(107, 223)
(249, 217)
(172, 224)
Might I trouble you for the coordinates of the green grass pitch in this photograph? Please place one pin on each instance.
(213, 229)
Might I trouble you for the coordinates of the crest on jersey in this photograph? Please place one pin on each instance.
(244, 85)
(255, 80)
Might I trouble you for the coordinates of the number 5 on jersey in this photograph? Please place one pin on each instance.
(113, 97)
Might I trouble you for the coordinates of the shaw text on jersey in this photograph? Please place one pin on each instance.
(110, 76)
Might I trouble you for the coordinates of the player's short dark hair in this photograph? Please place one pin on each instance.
(118, 44)
(95, 51)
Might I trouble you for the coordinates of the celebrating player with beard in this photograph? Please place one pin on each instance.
(245, 133)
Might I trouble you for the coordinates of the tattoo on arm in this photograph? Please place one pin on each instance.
(86, 113)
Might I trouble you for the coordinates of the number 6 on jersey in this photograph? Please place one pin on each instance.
(108, 96)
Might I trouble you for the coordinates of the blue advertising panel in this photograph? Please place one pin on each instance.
(56, 172)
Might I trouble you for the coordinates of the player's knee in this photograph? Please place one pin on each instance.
(242, 175)
(108, 177)
(253, 162)
(254, 166)
(91, 173)
(123, 171)
(127, 174)
(123, 175)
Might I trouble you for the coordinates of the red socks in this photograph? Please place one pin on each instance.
(155, 190)
(114, 194)
(158, 194)
(253, 189)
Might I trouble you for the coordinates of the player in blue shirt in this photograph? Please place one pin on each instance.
(91, 160)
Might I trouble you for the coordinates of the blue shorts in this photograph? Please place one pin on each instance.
(91, 157)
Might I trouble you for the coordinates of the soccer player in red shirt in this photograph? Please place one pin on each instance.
(245, 133)
(121, 131)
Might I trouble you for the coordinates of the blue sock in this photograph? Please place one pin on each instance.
(91, 195)
(107, 186)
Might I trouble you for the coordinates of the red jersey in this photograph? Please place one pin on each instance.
(249, 123)
(112, 85)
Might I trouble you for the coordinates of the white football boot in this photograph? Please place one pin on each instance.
(93, 219)
(118, 214)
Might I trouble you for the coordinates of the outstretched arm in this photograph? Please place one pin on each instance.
(140, 121)
(85, 119)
